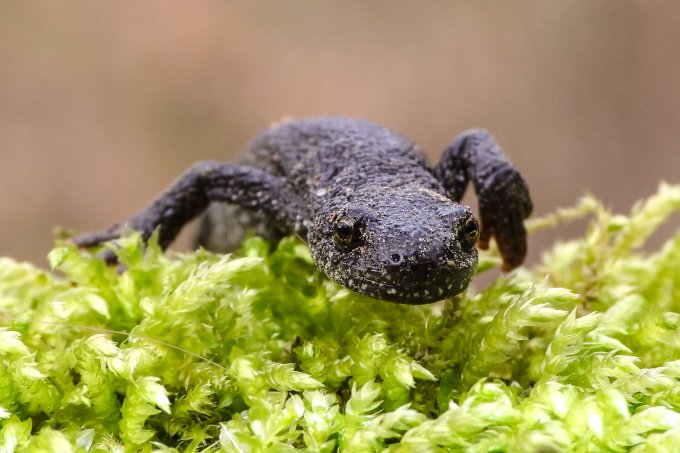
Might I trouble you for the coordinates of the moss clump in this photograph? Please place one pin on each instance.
(198, 352)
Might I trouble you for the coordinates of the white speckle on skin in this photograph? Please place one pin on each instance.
(434, 194)
(321, 192)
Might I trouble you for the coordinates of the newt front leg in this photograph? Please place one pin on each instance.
(191, 193)
(503, 195)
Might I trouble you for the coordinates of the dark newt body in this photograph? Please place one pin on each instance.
(377, 219)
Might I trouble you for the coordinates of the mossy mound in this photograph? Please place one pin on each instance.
(260, 352)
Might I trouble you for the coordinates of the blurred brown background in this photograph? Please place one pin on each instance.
(102, 104)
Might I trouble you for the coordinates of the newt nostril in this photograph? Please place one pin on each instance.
(396, 258)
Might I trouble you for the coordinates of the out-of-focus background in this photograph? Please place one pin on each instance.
(102, 104)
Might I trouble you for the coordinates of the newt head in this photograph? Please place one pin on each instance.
(396, 244)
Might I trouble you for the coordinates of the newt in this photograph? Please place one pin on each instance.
(377, 219)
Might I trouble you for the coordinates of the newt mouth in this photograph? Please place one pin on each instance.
(423, 292)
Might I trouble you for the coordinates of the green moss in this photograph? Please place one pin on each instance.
(259, 352)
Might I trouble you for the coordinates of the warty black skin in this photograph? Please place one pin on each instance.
(377, 219)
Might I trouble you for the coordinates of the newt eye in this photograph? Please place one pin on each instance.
(346, 233)
(469, 233)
